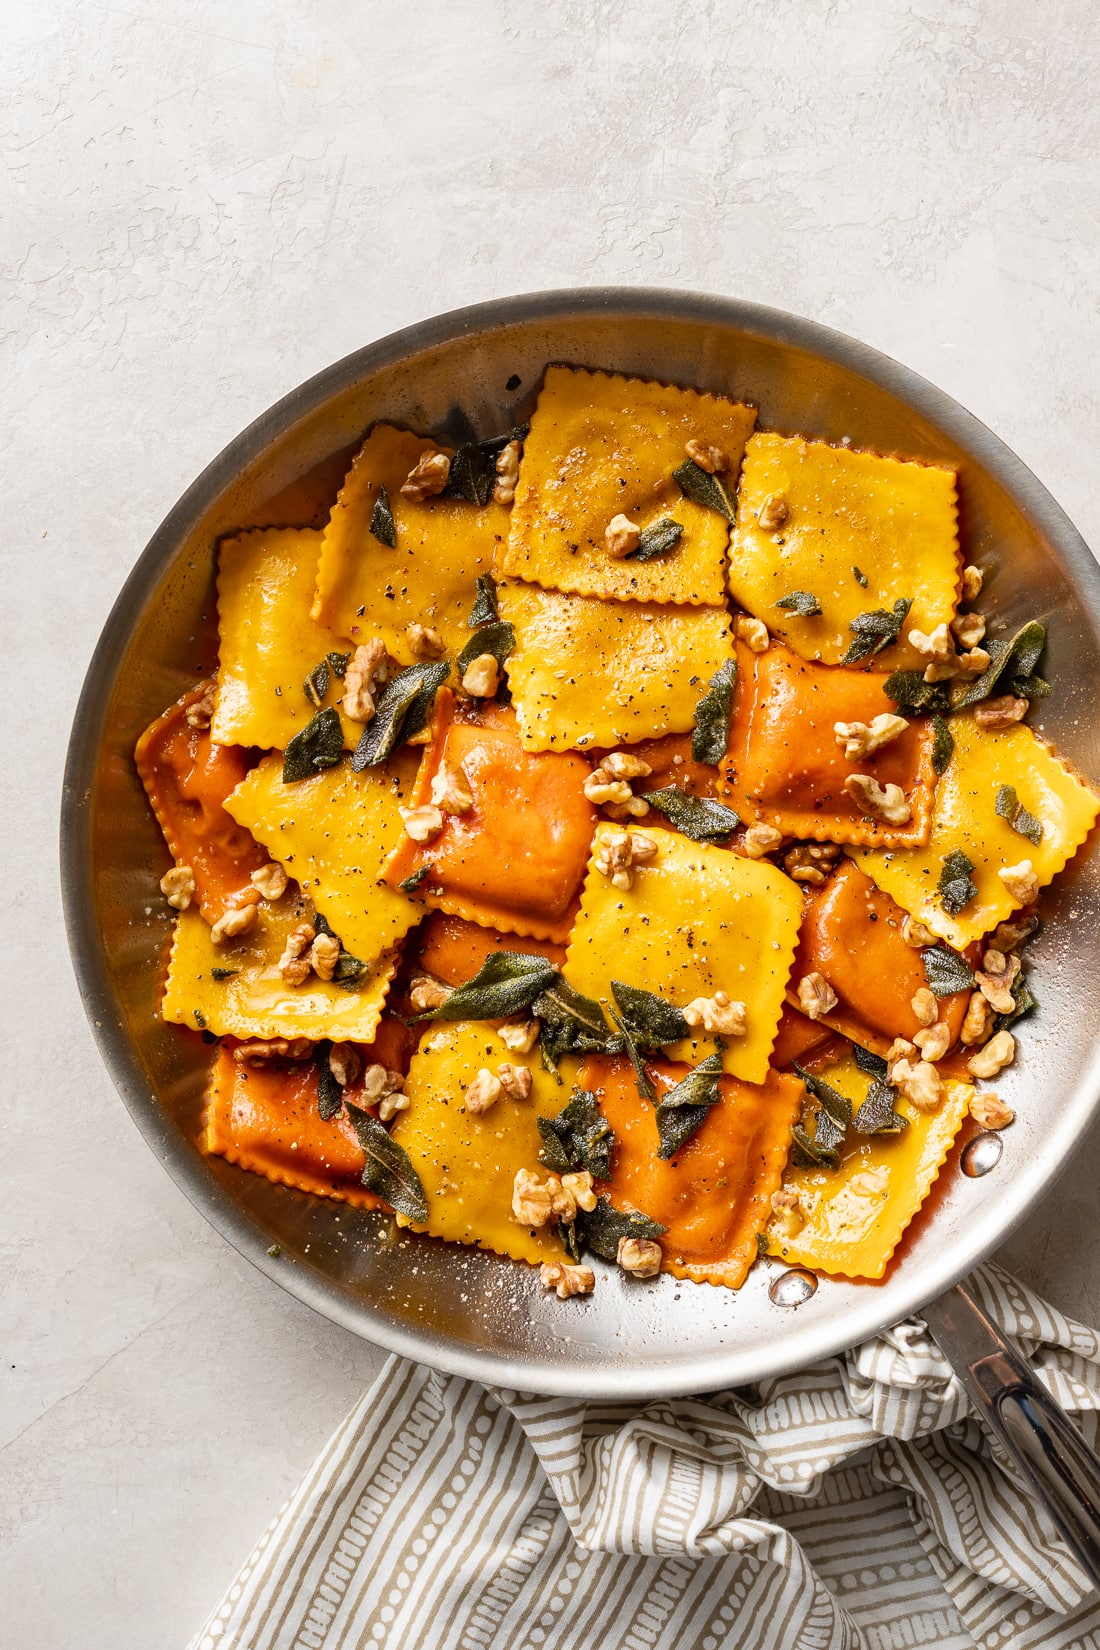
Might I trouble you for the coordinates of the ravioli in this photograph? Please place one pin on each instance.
(698, 920)
(892, 521)
(587, 672)
(601, 445)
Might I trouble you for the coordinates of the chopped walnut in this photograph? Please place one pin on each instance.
(482, 677)
(760, 840)
(973, 663)
(936, 646)
(507, 469)
(625, 765)
(391, 1103)
(279, 1048)
(1020, 881)
(366, 668)
(344, 1063)
(972, 580)
(753, 632)
(863, 739)
(424, 641)
(925, 1006)
(636, 808)
(621, 537)
(520, 1039)
(514, 1080)
(178, 886)
(1001, 712)
(816, 996)
(995, 988)
(915, 934)
(238, 920)
(600, 788)
(429, 477)
(787, 1213)
(426, 993)
(811, 862)
(639, 1256)
(773, 513)
(933, 1041)
(198, 715)
(710, 458)
(968, 629)
(620, 852)
(386, 1090)
(484, 1091)
(921, 1083)
(999, 1052)
(421, 824)
(990, 1112)
(532, 1198)
(1008, 935)
(449, 791)
(888, 803)
(978, 1021)
(324, 954)
(900, 1050)
(294, 964)
(717, 1015)
(579, 1187)
(566, 1280)
(271, 880)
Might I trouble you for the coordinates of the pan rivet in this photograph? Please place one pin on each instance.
(793, 1287)
(982, 1154)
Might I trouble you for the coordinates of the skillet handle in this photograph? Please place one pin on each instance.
(1046, 1447)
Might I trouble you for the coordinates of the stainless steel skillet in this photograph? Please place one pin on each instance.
(469, 1312)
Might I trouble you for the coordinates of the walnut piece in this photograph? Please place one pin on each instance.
(717, 1015)
(773, 513)
(760, 840)
(421, 824)
(198, 715)
(621, 537)
(996, 989)
(972, 580)
(787, 1212)
(933, 1041)
(324, 954)
(366, 668)
(278, 1048)
(426, 993)
(482, 676)
(710, 458)
(639, 1256)
(514, 1080)
(753, 632)
(901, 1049)
(925, 1006)
(921, 1083)
(424, 642)
(999, 1052)
(625, 765)
(566, 1280)
(816, 996)
(449, 791)
(579, 1187)
(507, 469)
(521, 1039)
(428, 478)
(915, 934)
(385, 1089)
(294, 964)
(935, 646)
(620, 852)
(483, 1092)
(888, 803)
(532, 1198)
(863, 739)
(178, 886)
(238, 920)
(978, 1021)
(271, 880)
(1001, 712)
(811, 862)
(344, 1063)
(990, 1112)
(968, 629)
(1020, 881)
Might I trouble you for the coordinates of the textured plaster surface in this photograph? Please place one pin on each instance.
(202, 203)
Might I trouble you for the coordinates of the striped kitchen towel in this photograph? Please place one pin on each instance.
(853, 1506)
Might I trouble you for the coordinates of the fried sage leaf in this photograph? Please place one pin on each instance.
(497, 638)
(338, 664)
(946, 972)
(506, 983)
(319, 745)
(382, 524)
(697, 817)
(657, 540)
(388, 1173)
(484, 610)
(349, 972)
(943, 745)
(873, 1064)
(1015, 658)
(680, 1111)
(629, 1045)
(802, 602)
(1010, 808)
(650, 1020)
(473, 474)
(912, 694)
(330, 1096)
(316, 684)
(831, 1121)
(711, 733)
(409, 884)
(955, 887)
(860, 578)
(571, 1023)
(877, 1114)
(580, 1137)
(223, 973)
(567, 1232)
(876, 630)
(401, 712)
(834, 1105)
(602, 1228)
(810, 1150)
(1026, 1002)
(703, 488)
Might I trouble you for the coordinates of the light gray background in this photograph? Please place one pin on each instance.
(202, 203)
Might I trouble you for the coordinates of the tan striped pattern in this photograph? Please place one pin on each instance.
(854, 1506)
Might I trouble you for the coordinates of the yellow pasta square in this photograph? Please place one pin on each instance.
(855, 1215)
(249, 998)
(334, 832)
(965, 818)
(849, 515)
(601, 445)
(699, 920)
(365, 589)
(467, 1163)
(587, 672)
(268, 642)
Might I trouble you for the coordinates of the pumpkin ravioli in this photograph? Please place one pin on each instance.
(601, 445)
(698, 920)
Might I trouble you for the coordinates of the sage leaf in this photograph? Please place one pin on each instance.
(602, 1228)
(473, 474)
(657, 540)
(1028, 687)
(876, 630)
(580, 1137)
(319, 745)
(946, 972)
(223, 973)
(912, 694)
(1015, 658)
(860, 578)
(401, 712)
(834, 1105)
(494, 444)
(388, 1173)
(873, 1064)
(330, 1096)
(409, 884)
(703, 488)
(711, 733)
(943, 745)
(877, 1114)
(497, 638)
(1025, 1002)
(697, 817)
(567, 1232)
(338, 664)
(761, 1245)
(571, 1023)
(955, 888)
(808, 1152)
(382, 524)
(350, 972)
(680, 1111)
(1011, 809)
(506, 983)
(802, 602)
(316, 683)
(484, 610)
(634, 1054)
(649, 1019)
